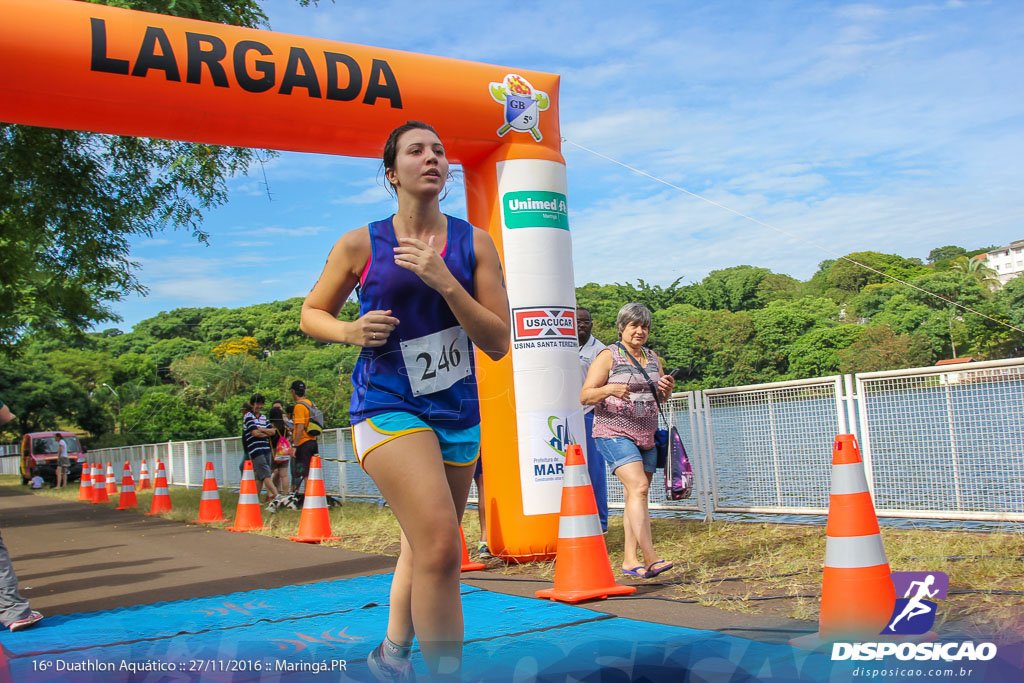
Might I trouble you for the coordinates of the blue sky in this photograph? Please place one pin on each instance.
(892, 126)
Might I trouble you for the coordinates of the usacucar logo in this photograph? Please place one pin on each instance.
(546, 322)
(523, 105)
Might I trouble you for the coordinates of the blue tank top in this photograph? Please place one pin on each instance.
(427, 367)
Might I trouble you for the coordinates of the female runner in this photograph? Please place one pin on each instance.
(428, 285)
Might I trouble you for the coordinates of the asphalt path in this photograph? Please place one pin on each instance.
(75, 557)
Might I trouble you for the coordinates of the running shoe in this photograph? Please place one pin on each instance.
(387, 672)
(482, 550)
(24, 623)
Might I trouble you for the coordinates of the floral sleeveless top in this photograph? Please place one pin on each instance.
(634, 417)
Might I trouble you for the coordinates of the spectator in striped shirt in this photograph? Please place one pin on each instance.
(256, 433)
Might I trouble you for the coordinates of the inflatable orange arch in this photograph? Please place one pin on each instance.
(83, 66)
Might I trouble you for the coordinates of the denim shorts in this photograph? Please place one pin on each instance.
(619, 451)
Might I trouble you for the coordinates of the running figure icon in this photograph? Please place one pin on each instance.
(915, 606)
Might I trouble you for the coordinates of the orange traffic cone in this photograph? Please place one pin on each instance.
(144, 482)
(99, 487)
(209, 501)
(127, 498)
(247, 514)
(111, 481)
(314, 524)
(467, 565)
(857, 593)
(582, 569)
(85, 483)
(161, 496)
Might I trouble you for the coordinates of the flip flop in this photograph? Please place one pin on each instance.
(635, 571)
(652, 572)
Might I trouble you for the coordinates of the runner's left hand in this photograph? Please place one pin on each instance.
(423, 259)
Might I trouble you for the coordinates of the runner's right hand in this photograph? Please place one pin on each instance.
(374, 328)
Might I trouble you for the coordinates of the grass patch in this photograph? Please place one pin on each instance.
(712, 561)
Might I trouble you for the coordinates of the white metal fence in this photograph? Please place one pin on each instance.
(9, 458)
(938, 443)
(945, 443)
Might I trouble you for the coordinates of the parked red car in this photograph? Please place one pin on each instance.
(39, 456)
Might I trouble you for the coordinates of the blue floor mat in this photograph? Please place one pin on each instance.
(164, 619)
(325, 630)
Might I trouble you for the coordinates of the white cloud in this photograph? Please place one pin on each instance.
(370, 195)
(202, 291)
(252, 258)
(298, 231)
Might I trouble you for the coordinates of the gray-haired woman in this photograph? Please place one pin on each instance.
(625, 420)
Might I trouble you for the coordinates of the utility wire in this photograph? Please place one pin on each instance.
(789, 234)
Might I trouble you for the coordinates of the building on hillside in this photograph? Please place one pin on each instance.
(1008, 262)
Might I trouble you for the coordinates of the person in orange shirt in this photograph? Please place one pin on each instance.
(304, 445)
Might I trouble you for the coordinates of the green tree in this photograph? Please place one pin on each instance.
(166, 351)
(848, 275)
(816, 354)
(180, 323)
(1012, 299)
(977, 268)
(879, 347)
(736, 289)
(714, 348)
(135, 367)
(162, 415)
(779, 287)
(945, 253)
(871, 300)
(71, 201)
(86, 368)
(818, 284)
(44, 399)
(781, 324)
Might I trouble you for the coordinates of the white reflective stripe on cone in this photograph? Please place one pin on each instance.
(249, 499)
(209, 495)
(127, 488)
(854, 552)
(160, 492)
(848, 478)
(576, 475)
(314, 503)
(579, 526)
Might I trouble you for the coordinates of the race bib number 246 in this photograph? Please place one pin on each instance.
(437, 361)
